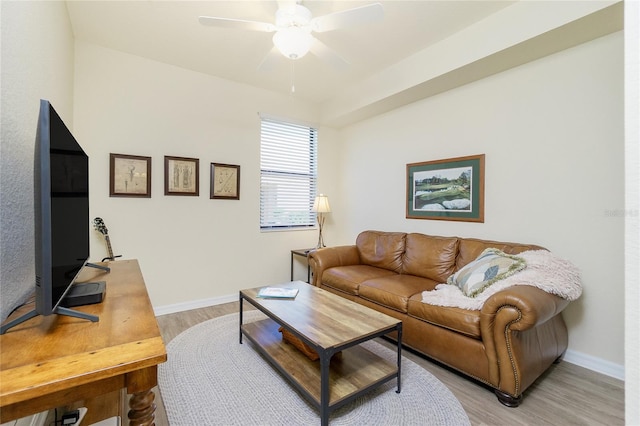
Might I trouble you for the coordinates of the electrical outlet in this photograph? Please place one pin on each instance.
(83, 412)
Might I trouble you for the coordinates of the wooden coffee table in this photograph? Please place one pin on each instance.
(329, 324)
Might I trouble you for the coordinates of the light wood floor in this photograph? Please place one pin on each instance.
(566, 395)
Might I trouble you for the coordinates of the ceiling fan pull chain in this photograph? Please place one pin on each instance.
(293, 77)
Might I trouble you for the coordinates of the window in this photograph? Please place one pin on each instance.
(288, 174)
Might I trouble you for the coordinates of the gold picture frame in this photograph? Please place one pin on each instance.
(181, 176)
(129, 176)
(225, 181)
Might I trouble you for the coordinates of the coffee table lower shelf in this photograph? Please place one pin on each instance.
(352, 372)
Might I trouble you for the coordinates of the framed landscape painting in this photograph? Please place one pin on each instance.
(450, 189)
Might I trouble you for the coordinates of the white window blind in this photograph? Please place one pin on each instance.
(288, 174)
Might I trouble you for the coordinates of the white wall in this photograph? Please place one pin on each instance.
(37, 63)
(189, 248)
(553, 134)
(632, 218)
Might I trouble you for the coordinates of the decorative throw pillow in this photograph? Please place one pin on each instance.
(492, 265)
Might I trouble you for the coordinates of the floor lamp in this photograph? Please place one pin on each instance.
(321, 206)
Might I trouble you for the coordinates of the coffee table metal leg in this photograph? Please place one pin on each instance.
(240, 326)
(399, 356)
(325, 359)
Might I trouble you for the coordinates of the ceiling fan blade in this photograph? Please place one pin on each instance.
(270, 60)
(347, 18)
(239, 24)
(326, 54)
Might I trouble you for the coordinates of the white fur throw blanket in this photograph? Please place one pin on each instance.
(544, 270)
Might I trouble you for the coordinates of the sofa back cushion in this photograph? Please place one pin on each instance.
(381, 249)
(471, 248)
(430, 257)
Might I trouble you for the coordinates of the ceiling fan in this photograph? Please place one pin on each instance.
(294, 25)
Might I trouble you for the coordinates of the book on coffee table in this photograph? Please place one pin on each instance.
(278, 292)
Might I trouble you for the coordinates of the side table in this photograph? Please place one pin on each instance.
(302, 253)
(52, 361)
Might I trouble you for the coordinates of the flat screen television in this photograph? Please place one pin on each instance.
(61, 215)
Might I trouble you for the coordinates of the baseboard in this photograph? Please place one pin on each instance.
(593, 363)
(589, 362)
(195, 304)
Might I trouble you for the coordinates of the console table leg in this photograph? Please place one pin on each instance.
(143, 409)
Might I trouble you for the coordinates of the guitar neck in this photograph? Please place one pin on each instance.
(106, 237)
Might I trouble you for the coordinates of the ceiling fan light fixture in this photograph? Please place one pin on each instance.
(294, 24)
(293, 42)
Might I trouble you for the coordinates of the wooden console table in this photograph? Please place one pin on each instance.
(52, 361)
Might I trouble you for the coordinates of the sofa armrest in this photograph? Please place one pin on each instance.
(523, 333)
(329, 257)
(522, 306)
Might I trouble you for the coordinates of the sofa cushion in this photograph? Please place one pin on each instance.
(430, 257)
(348, 278)
(393, 291)
(491, 266)
(381, 249)
(460, 320)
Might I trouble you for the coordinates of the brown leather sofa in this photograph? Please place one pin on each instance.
(507, 345)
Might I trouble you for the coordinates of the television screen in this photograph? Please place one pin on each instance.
(61, 171)
(61, 215)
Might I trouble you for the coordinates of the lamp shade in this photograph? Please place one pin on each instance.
(293, 42)
(321, 204)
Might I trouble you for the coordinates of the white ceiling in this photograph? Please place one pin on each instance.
(169, 32)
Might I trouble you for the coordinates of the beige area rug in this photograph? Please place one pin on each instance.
(211, 379)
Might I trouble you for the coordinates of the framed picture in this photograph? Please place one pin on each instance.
(129, 176)
(225, 181)
(451, 189)
(181, 176)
